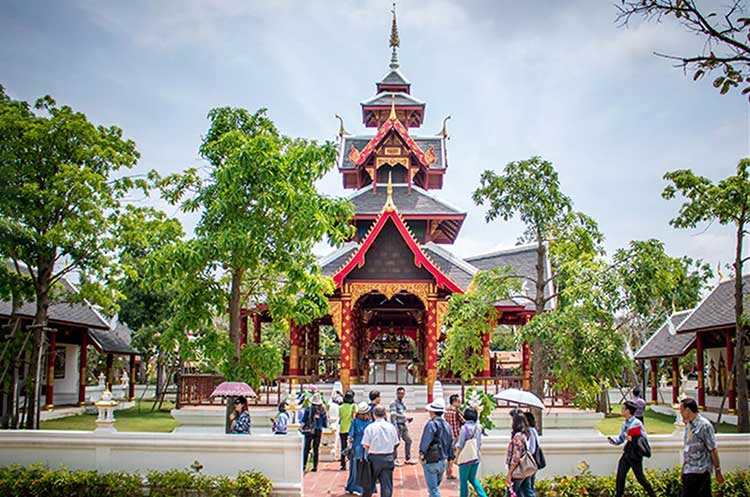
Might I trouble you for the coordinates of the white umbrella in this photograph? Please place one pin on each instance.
(521, 397)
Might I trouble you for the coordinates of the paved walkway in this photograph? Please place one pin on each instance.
(408, 480)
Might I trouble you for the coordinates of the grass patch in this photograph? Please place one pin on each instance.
(656, 424)
(137, 418)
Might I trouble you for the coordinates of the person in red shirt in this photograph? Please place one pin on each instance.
(455, 420)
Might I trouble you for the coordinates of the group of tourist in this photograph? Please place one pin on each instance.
(454, 437)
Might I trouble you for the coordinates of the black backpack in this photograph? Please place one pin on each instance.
(541, 461)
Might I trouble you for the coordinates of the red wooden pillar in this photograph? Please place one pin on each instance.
(675, 379)
(701, 374)
(51, 368)
(654, 381)
(243, 329)
(346, 342)
(131, 382)
(108, 373)
(256, 328)
(731, 378)
(526, 366)
(431, 339)
(83, 358)
(315, 349)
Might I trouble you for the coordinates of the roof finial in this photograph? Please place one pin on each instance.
(389, 205)
(395, 42)
(393, 115)
(342, 131)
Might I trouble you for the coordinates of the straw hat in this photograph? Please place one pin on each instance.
(363, 408)
(437, 405)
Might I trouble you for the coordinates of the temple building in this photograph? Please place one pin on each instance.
(394, 278)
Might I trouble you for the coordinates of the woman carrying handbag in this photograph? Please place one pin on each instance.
(521, 464)
(467, 458)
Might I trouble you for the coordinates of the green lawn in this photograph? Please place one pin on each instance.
(656, 424)
(126, 420)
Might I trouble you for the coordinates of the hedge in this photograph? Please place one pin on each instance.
(666, 483)
(40, 481)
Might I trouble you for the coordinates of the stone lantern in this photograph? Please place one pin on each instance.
(106, 407)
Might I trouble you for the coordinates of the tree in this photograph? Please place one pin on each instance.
(727, 202)
(472, 315)
(725, 37)
(58, 200)
(531, 190)
(260, 217)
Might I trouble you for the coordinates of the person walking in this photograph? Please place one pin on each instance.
(240, 417)
(314, 419)
(436, 446)
(455, 420)
(400, 422)
(640, 404)
(281, 421)
(533, 444)
(468, 444)
(517, 449)
(361, 421)
(380, 440)
(346, 414)
(631, 458)
(701, 455)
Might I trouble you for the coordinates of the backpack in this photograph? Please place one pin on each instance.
(434, 452)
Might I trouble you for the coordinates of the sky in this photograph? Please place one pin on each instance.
(557, 79)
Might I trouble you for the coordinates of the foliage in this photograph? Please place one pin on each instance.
(728, 202)
(31, 481)
(260, 215)
(59, 201)
(483, 403)
(469, 319)
(725, 34)
(258, 363)
(666, 483)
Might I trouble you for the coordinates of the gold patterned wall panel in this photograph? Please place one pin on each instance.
(389, 289)
(334, 308)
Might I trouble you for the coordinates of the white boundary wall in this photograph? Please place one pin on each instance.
(565, 452)
(278, 457)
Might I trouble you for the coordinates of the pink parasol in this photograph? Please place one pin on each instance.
(233, 389)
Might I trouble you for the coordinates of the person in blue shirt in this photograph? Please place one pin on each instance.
(281, 420)
(314, 419)
(240, 418)
(436, 446)
(631, 458)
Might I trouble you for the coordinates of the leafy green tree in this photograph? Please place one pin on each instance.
(725, 33)
(58, 201)
(530, 190)
(728, 202)
(470, 316)
(260, 217)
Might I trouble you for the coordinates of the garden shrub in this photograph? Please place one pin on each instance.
(40, 481)
(666, 483)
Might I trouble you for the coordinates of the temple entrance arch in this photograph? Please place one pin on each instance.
(388, 332)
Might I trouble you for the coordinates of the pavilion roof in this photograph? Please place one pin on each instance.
(665, 344)
(415, 202)
(423, 142)
(115, 340)
(717, 309)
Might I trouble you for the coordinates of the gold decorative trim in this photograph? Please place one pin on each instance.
(440, 313)
(359, 289)
(334, 308)
(392, 161)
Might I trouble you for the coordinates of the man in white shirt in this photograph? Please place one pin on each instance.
(380, 441)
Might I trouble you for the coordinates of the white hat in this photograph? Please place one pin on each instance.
(316, 399)
(363, 407)
(437, 405)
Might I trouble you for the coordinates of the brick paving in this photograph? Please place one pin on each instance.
(408, 480)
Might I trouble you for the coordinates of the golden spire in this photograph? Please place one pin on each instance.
(394, 42)
(389, 205)
(393, 108)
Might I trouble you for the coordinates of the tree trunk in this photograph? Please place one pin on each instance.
(743, 421)
(538, 366)
(41, 287)
(234, 310)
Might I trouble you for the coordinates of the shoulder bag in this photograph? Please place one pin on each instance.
(469, 451)
(526, 466)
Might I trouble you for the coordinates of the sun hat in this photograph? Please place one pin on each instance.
(363, 407)
(437, 405)
(316, 400)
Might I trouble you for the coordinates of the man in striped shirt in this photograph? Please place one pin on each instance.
(455, 420)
